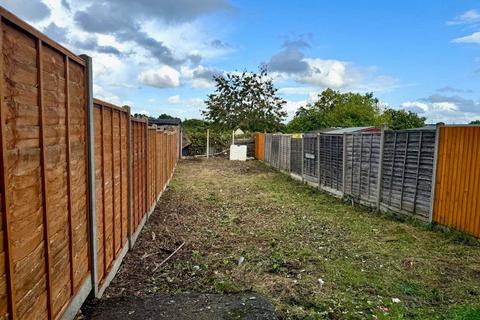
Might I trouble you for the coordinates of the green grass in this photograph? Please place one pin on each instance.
(314, 256)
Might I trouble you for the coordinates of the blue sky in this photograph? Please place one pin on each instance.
(159, 56)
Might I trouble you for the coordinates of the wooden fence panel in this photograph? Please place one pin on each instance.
(407, 174)
(152, 144)
(268, 148)
(296, 155)
(139, 171)
(44, 161)
(457, 200)
(111, 175)
(260, 146)
(362, 167)
(158, 163)
(310, 157)
(330, 161)
(284, 152)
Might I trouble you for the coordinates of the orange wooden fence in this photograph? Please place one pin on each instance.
(457, 192)
(61, 237)
(111, 175)
(260, 146)
(44, 221)
(152, 145)
(139, 171)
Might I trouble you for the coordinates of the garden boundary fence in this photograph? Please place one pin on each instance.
(75, 179)
(430, 174)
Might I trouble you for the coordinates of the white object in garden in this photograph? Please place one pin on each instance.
(239, 132)
(238, 153)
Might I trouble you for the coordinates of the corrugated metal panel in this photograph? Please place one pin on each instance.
(457, 200)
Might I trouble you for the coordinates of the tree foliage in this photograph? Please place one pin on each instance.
(165, 116)
(475, 122)
(401, 119)
(336, 109)
(245, 100)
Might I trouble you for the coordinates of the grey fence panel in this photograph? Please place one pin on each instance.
(296, 155)
(310, 157)
(407, 176)
(285, 152)
(331, 161)
(362, 167)
(268, 148)
(275, 156)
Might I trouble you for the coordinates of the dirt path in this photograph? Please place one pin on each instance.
(251, 231)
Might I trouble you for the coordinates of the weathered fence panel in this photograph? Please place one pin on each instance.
(139, 173)
(330, 159)
(362, 167)
(296, 156)
(275, 154)
(43, 124)
(407, 174)
(268, 148)
(310, 157)
(284, 152)
(457, 192)
(111, 175)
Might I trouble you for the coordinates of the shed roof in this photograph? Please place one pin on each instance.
(350, 130)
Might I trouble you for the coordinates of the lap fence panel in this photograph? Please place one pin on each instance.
(407, 172)
(152, 134)
(310, 157)
(275, 154)
(44, 242)
(296, 155)
(284, 154)
(111, 174)
(457, 192)
(268, 148)
(362, 167)
(139, 173)
(331, 162)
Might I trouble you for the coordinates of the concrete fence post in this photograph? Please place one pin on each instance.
(92, 214)
(380, 168)
(434, 172)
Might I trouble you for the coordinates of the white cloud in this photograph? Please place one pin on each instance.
(442, 111)
(327, 73)
(174, 99)
(297, 90)
(200, 77)
(163, 77)
(470, 16)
(473, 38)
(105, 95)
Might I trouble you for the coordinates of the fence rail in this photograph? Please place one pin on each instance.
(394, 171)
(75, 179)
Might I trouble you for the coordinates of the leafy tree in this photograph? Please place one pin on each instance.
(140, 116)
(336, 109)
(165, 116)
(475, 122)
(245, 100)
(401, 119)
